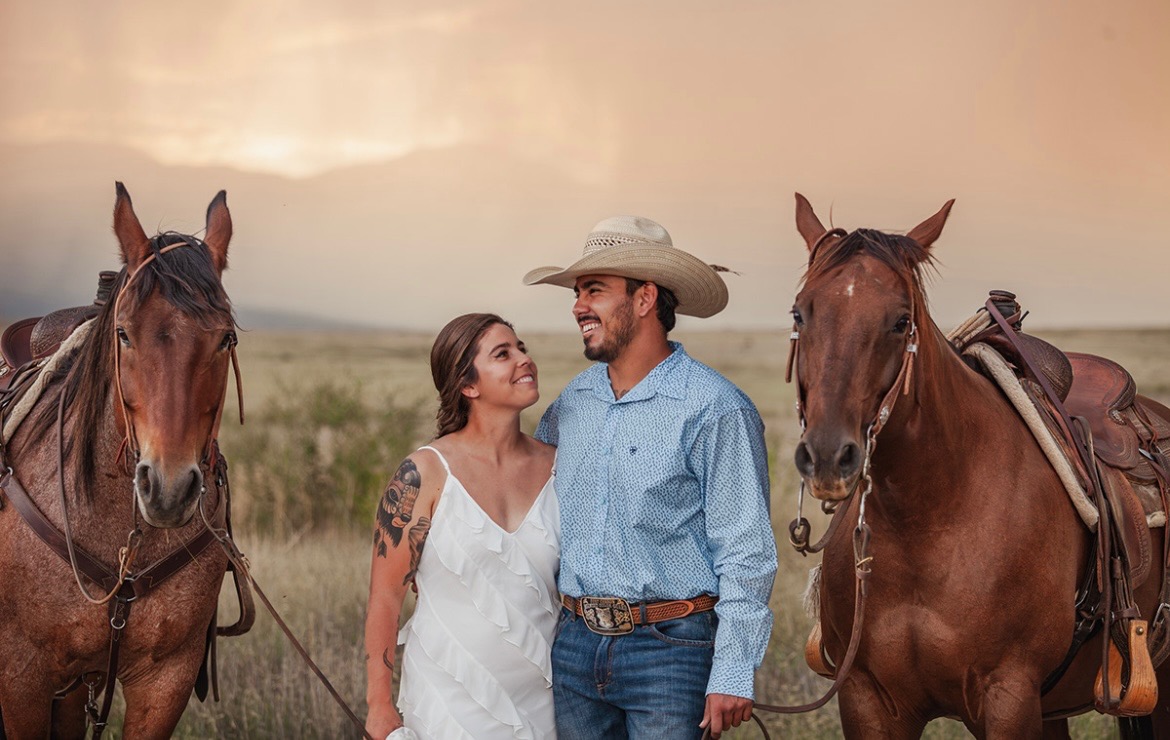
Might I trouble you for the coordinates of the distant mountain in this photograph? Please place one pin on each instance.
(412, 242)
(252, 318)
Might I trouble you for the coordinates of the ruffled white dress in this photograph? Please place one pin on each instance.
(476, 662)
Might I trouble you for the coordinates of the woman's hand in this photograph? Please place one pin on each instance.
(381, 721)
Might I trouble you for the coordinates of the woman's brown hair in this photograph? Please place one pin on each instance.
(453, 366)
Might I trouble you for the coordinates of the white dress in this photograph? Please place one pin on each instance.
(477, 657)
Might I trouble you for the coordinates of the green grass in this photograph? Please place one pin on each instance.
(331, 416)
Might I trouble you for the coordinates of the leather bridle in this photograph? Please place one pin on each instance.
(125, 584)
(131, 441)
(799, 529)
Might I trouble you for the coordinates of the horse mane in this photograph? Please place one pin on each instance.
(185, 278)
(900, 253)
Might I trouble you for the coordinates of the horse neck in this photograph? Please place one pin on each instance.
(39, 460)
(933, 431)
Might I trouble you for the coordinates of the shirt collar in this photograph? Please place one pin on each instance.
(668, 378)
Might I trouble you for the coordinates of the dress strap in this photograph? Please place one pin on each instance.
(440, 456)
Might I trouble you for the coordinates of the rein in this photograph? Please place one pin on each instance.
(241, 565)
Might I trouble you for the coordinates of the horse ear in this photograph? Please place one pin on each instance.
(219, 230)
(807, 223)
(131, 237)
(928, 231)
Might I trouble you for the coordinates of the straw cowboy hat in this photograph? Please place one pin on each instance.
(638, 248)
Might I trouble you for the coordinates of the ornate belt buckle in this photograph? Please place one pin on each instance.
(607, 615)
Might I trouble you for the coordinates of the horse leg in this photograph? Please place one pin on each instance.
(869, 711)
(155, 702)
(69, 715)
(1009, 709)
(28, 708)
(1160, 717)
(1056, 729)
(1135, 728)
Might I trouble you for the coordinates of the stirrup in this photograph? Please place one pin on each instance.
(814, 653)
(1137, 696)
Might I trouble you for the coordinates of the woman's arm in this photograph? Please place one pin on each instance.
(403, 522)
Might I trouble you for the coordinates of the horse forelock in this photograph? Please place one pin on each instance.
(906, 257)
(186, 279)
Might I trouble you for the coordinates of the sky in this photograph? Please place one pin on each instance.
(394, 164)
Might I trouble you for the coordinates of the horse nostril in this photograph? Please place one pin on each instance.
(804, 460)
(848, 460)
(196, 482)
(146, 480)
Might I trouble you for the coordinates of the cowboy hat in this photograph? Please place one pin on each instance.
(638, 248)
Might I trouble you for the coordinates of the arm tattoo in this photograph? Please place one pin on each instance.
(418, 537)
(397, 506)
(386, 659)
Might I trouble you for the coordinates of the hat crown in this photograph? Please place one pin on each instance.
(618, 230)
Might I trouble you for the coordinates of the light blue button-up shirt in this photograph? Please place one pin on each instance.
(664, 495)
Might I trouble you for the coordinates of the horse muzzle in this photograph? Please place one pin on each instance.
(830, 471)
(167, 499)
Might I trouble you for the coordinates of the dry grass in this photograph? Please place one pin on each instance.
(318, 580)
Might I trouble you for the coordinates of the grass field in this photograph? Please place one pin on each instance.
(316, 571)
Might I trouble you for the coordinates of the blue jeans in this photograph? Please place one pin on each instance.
(651, 683)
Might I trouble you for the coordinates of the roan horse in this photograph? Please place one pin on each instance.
(140, 404)
(977, 553)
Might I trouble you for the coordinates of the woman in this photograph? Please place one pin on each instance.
(472, 519)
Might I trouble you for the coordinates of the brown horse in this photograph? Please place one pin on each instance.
(977, 551)
(140, 400)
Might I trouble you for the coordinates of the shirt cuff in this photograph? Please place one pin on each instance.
(734, 679)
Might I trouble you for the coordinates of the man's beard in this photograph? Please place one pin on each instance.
(618, 335)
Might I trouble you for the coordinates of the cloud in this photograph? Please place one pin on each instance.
(347, 32)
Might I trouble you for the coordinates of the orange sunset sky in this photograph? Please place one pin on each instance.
(394, 163)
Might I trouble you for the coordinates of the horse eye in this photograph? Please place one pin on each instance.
(229, 340)
(796, 317)
(902, 325)
(123, 337)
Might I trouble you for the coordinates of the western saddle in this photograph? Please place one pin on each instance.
(1116, 442)
(37, 338)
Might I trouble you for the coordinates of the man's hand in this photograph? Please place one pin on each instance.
(724, 711)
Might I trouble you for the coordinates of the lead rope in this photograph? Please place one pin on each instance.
(243, 567)
(862, 567)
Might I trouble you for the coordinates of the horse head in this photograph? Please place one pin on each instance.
(173, 336)
(854, 339)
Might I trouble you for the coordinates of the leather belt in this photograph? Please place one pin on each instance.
(607, 615)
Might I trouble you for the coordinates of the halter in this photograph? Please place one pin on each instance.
(131, 440)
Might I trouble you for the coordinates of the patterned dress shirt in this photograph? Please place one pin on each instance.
(664, 495)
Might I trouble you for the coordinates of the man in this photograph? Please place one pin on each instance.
(667, 552)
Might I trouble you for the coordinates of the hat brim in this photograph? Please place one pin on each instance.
(697, 286)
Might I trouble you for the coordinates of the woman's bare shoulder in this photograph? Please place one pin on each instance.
(544, 452)
(421, 469)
